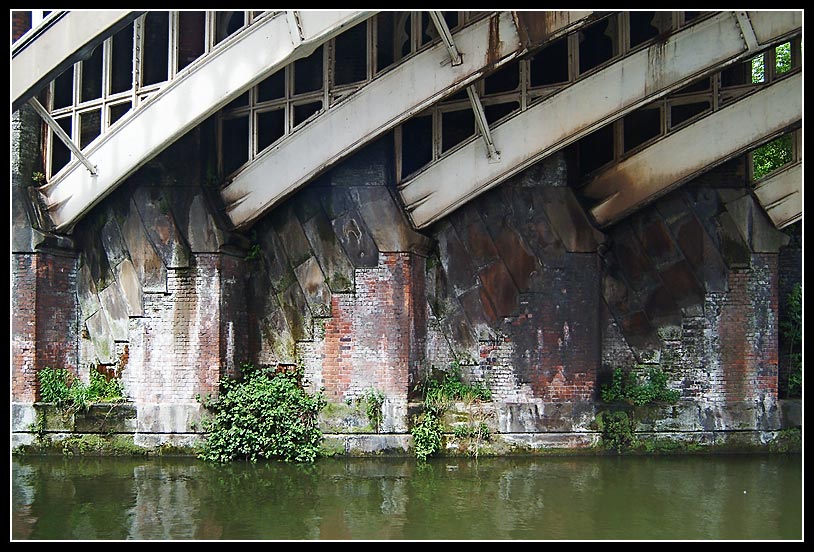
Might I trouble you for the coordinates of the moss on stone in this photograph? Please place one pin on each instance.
(787, 440)
(332, 446)
(101, 445)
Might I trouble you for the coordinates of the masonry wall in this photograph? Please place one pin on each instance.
(337, 286)
(516, 290)
(149, 289)
(691, 287)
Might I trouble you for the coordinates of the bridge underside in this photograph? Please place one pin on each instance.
(412, 223)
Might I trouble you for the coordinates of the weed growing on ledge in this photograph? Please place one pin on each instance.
(374, 400)
(627, 389)
(263, 415)
(617, 430)
(67, 392)
(439, 392)
(426, 433)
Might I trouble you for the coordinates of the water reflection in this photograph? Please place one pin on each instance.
(710, 497)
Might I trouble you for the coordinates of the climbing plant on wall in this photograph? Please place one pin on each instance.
(263, 415)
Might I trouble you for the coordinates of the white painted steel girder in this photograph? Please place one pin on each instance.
(781, 195)
(46, 50)
(374, 109)
(686, 153)
(585, 106)
(238, 63)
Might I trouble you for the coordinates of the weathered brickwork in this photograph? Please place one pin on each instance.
(517, 288)
(23, 327)
(371, 337)
(748, 332)
(44, 318)
(183, 344)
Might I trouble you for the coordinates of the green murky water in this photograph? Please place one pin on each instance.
(573, 498)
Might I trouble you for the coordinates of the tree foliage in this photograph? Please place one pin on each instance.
(792, 330)
(776, 153)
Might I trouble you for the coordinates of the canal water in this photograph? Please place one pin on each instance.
(516, 498)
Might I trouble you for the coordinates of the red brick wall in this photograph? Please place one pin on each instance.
(557, 340)
(748, 331)
(182, 345)
(373, 333)
(23, 327)
(44, 319)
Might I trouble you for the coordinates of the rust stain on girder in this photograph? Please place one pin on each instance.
(535, 28)
(493, 51)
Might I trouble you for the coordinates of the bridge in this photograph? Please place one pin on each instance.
(368, 193)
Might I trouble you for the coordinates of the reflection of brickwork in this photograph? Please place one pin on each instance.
(44, 312)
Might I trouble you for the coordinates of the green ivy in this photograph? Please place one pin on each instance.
(617, 430)
(264, 415)
(426, 432)
(791, 328)
(440, 390)
(374, 400)
(627, 389)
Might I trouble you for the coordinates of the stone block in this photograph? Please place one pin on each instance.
(150, 268)
(297, 314)
(338, 270)
(355, 239)
(459, 271)
(701, 252)
(477, 240)
(291, 235)
(386, 221)
(203, 234)
(128, 282)
(112, 241)
(101, 336)
(734, 249)
(312, 283)
(655, 237)
(115, 309)
(153, 206)
(501, 290)
(107, 417)
(570, 222)
(680, 280)
(519, 261)
(86, 293)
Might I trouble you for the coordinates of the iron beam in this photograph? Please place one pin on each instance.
(61, 40)
(781, 195)
(583, 107)
(205, 87)
(684, 154)
(377, 107)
